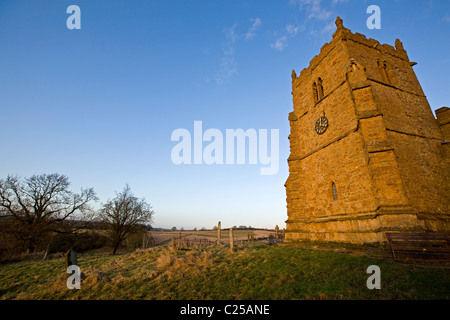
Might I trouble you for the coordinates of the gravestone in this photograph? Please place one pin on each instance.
(71, 258)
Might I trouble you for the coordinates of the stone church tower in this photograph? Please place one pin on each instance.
(367, 155)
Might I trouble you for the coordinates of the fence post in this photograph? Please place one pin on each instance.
(218, 233)
(231, 239)
(173, 243)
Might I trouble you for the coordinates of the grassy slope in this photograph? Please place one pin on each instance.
(256, 272)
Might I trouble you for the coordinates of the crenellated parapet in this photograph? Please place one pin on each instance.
(344, 34)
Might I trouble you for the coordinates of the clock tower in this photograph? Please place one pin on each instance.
(367, 155)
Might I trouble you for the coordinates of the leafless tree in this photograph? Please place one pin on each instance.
(124, 215)
(39, 204)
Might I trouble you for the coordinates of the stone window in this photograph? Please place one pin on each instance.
(334, 190)
(382, 65)
(320, 89)
(315, 93)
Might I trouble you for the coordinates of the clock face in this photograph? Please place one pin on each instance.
(321, 125)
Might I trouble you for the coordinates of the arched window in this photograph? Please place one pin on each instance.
(334, 189)
(320, 88)
(382, 65)
(315, 93)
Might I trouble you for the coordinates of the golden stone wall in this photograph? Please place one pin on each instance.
(382, 163)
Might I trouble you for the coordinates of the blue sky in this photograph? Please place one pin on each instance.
(100, 104)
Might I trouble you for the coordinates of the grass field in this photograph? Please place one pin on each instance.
(252, 271)
(164, 237)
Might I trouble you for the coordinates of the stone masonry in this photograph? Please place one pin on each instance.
(378, 160)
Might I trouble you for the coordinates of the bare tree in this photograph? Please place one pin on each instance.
(124, 215)
(39, 204)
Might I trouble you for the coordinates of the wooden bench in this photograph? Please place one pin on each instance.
(421, 244)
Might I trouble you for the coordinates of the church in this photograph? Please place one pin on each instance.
(367, 155)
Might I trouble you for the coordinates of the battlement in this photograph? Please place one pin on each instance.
(443, 119)
(344, 34)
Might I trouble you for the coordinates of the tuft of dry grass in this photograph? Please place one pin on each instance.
(165, 260)
(250, 272)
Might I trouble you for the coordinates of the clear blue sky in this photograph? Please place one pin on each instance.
(100, 104)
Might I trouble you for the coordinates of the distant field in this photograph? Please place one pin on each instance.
(164, 237)
(254, 271)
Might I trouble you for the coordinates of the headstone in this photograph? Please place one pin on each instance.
(276, 232)
(71, 258)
